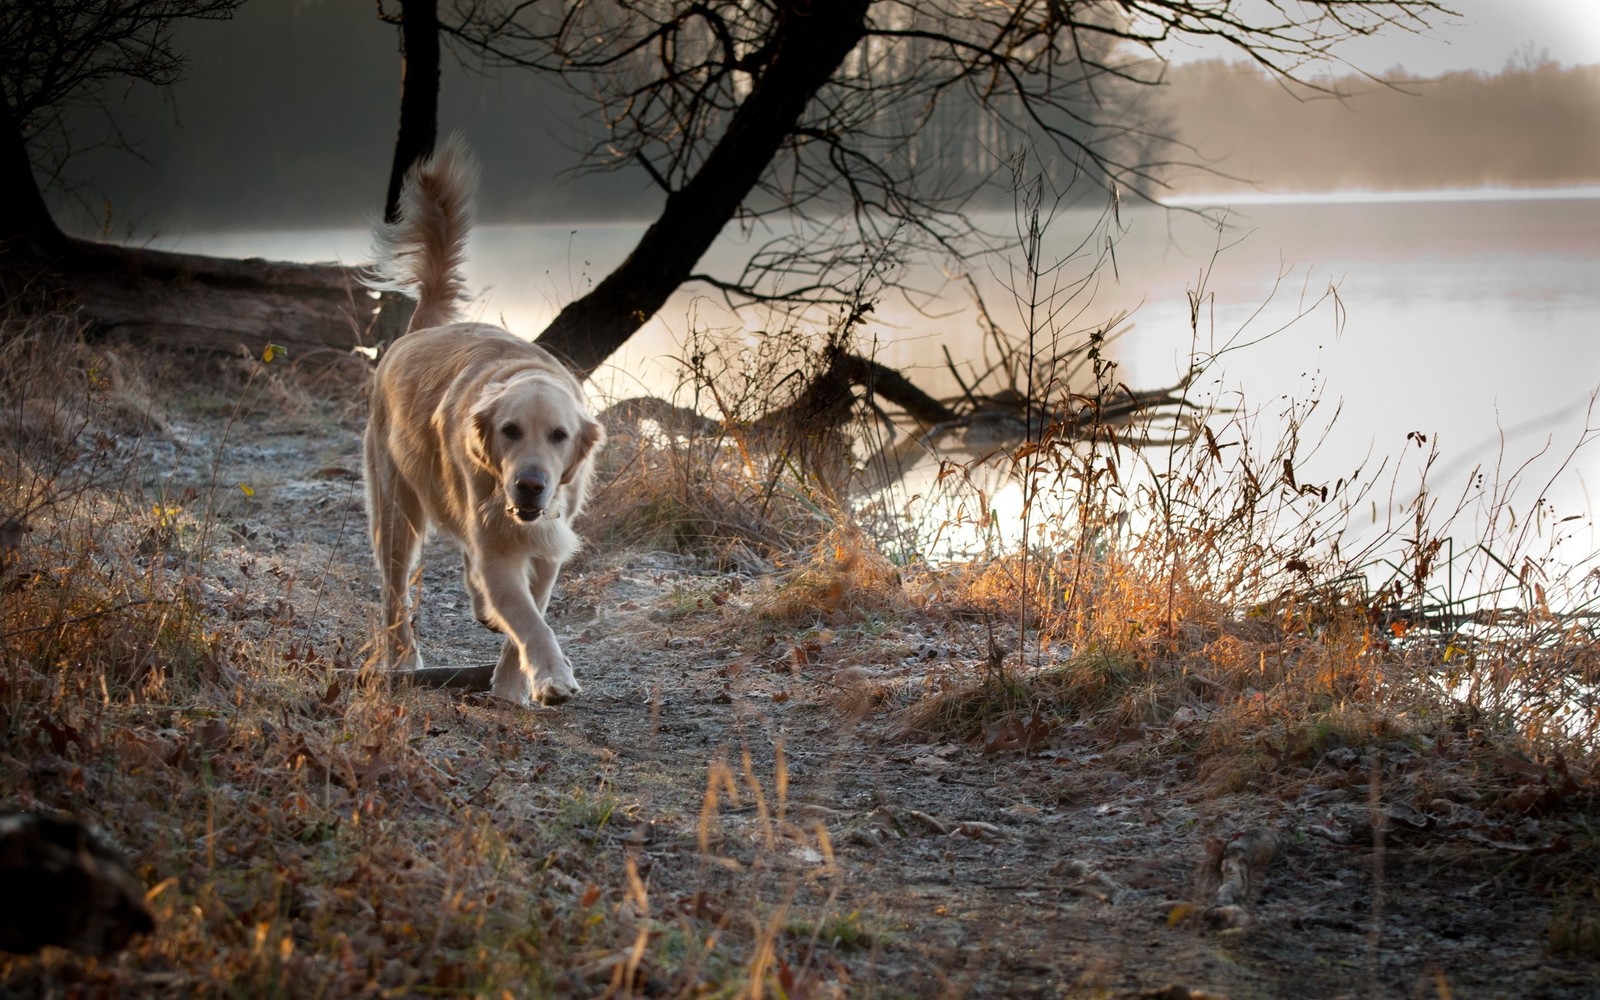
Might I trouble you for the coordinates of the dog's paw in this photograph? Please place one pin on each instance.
(513, 689)
(556, 692)
(556, 686)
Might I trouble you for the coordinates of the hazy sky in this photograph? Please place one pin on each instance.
(1487, 33)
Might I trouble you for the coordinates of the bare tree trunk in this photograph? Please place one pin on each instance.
(26, 228)
(419, 93)
(813, 39)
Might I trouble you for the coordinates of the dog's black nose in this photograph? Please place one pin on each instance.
(529, 488)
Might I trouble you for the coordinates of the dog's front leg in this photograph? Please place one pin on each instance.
(480, 606)
(532, 666)
(543, 581)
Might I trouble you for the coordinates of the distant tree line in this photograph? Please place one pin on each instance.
(310, 154)
(1535, 123)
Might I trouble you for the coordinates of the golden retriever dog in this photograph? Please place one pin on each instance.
(475, 432)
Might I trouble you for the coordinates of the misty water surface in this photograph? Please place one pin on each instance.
(1473, 320)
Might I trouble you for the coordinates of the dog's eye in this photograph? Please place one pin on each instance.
(558, 435)
(512, 432)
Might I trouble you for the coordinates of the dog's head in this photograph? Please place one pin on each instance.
(533, 435)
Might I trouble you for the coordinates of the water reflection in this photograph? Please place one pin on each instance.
(1472, 322)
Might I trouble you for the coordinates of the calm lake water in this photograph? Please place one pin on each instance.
(1473, 319)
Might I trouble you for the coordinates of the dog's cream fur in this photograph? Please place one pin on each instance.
(478, 433)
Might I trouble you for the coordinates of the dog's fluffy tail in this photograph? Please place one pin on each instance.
(425, 247)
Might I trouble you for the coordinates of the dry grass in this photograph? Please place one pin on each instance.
(1206, 580)
(845, 579)
(248, 774)
(706, 495)
(1203, 576)
(1228, 609)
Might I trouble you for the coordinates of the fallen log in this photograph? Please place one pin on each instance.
(204, 303)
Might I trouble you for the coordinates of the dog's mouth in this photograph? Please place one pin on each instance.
(526, 515)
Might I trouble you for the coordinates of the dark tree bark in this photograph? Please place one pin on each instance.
(62, 884)
(419, 93)
(26, 227)
(812, 39)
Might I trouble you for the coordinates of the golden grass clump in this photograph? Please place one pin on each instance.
(845, 579)
(89, 597)
(698, 495)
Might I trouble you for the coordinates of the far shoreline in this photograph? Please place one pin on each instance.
(1361, 196)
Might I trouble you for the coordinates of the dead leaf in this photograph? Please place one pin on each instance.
(1517, 766)
(138, 750)
(978, 830)
(375, 768)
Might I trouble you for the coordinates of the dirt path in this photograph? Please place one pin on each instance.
(761, 781)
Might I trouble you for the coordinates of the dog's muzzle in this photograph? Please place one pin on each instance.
(527, 495)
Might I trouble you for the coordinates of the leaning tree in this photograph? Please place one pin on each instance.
(58, 54)
(842, 109)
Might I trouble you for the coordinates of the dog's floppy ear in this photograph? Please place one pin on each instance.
(481, 431)
(589, 437)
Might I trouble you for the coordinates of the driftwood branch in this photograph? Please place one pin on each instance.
(825, 403)
(987, 420)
